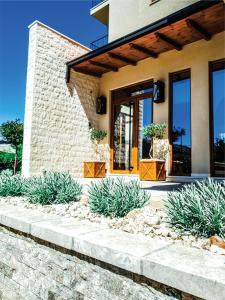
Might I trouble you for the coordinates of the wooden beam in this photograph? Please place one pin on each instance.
(87, 72)
(105, 66)
(199, 29)
(144, 50)
(168, 41)
(122, 58)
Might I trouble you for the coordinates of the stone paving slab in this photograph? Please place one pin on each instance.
(188, 269)
(21, 218)
(197, 272)
(117, 248)
(62, 231)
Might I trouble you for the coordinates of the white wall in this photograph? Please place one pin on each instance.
(126, 16)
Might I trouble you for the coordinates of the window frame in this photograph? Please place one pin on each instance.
(180, 76)
(215, 65)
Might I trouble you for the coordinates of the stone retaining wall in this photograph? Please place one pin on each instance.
(57, 114)
(44, 256)
(32, 269)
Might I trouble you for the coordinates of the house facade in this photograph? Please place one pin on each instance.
(161, 64)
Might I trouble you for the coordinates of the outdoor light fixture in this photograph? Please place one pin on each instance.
(158, 92)
(101, 105)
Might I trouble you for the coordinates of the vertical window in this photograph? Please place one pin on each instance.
(180, 123)
(145, 119)
(217, 111)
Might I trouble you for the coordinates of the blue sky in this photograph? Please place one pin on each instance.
(71, 18)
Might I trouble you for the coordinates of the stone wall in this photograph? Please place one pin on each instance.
(57, 114)
(35, 270)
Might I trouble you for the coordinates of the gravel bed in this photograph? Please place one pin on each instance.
(145, 221)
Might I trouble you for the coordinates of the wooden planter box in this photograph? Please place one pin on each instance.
(152, 169)
(94, 169)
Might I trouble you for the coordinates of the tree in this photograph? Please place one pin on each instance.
(12, 132)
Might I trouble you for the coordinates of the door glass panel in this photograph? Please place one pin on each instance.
(145, 118)
(218, 78)
(128, 120)
(181, 125)
(123, 136)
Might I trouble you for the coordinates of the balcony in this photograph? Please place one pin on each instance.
(100, 10)
(95, 3)
(99, 42)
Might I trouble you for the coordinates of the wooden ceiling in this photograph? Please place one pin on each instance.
(200, 25)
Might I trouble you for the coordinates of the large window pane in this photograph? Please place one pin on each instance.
(145, 118)
(218, 93)
(181, 124)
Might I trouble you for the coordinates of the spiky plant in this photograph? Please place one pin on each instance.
(115, 197)
(10, 185)
(198, 208)
(52, 188)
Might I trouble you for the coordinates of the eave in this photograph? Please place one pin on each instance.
(200, 20)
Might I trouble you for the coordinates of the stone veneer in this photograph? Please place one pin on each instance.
(45, 256)
(57, 114)
(31, 270)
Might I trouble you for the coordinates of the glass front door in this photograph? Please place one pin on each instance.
(131, 111)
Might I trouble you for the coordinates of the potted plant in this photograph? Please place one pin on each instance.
(154, 167)
(96, 169)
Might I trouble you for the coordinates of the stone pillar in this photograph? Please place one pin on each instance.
(57, 114)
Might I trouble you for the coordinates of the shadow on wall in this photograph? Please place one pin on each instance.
(86, 88)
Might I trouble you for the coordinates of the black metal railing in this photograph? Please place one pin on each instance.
(96, 2)
(99, 42)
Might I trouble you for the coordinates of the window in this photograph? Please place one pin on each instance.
(145, 118)
(180, 123)
(217, 117)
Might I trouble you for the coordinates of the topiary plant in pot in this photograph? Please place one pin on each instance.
(154, 167)
(96, 169)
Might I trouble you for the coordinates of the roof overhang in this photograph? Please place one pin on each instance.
(198, 21)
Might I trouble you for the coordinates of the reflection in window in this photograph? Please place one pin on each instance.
(132, 110)
(123, 136)
(181, 124)
(218, 110)
(145, 118)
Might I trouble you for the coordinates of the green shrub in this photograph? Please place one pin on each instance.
(115, 197)
(52, 188)
(155, 130)
(97, 135)
(10, 185)
(6, 160)
(198, 208)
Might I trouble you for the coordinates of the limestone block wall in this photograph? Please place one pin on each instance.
(57, 114)
(36, 271)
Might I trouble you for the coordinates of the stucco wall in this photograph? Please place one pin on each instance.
(195, 56)
(57, 114)
(129, 15)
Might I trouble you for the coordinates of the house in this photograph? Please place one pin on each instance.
(161, 63)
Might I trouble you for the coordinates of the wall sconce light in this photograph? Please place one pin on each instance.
(158, 92)
(101, 105)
